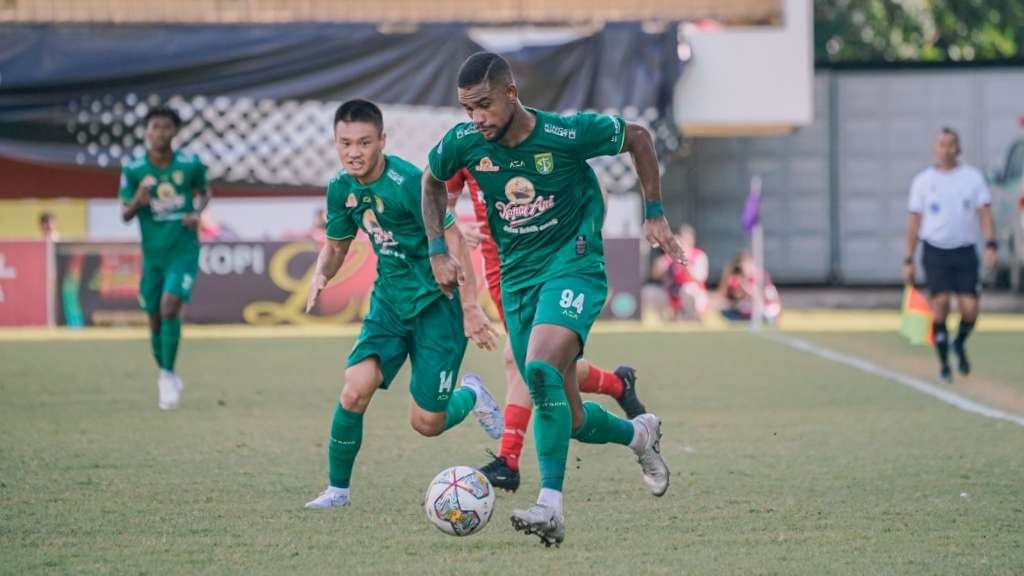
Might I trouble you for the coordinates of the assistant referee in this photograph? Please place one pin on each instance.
(947, 201)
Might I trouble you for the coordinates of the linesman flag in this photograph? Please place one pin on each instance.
(916, 317)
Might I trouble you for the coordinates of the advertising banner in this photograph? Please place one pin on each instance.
(266, 283)
(23, 283)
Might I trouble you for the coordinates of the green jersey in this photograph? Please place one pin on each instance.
(164, 238)
(389, 211)
(544, 204)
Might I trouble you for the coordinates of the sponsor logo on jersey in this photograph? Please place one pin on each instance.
(351, 201)
(380, 203)
(517, 164)
(524, 204)
(381, 237)
(396, 177)
(179, 177)
(562, 131)
(544, 162)
(485, 165)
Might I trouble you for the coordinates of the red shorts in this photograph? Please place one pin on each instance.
(492, 274)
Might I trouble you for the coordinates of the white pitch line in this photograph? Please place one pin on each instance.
(922, 386)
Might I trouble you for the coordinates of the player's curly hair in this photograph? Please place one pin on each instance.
(163, 112)
(484, 67)
(360, 110)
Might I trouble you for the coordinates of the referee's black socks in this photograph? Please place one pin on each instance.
(962, 334)
(941, 342)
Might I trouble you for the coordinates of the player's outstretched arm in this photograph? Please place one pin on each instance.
(640, 146)
(477, 325)
(331, 257)
(445, 267)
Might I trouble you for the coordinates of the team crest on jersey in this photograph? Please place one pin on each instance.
(179, 177)
(544, 162)
(351, 201)
(380, 204)
(485, 165)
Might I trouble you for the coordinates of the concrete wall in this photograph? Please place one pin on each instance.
(835, 192)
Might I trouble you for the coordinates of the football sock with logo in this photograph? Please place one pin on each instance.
(553, 425)
(459, 406)
(343, 445)
(601, 427)
(941, 342)
(598, 381)
(170, 334)
(517, 419)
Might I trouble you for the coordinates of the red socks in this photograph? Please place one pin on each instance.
(601, 382)
(517, 418)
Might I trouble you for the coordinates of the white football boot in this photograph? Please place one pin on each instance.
(486, 409)
(543, 521)
(170, 396)
(646, 445)
(330, 498)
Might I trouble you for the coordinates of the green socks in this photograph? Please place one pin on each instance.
(346, 437)
(170, 335)
(154, 342)
(459, 406)
(552, 422)
(601, 427)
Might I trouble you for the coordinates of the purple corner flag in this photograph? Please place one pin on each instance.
(752, 210)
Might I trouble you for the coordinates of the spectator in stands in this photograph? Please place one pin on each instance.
(737, 286)
(319, 230)
(48, 226)
(685, 285)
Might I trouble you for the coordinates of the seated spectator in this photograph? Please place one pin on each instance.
(48, 226)
(736, 290)
(686, 286)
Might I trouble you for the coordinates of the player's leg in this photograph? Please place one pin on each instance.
(375, 360)
(503, 471)
(150, 291)
(436, 348)
(362, 380)
(176, 291)
(620, 385)
(967, 296)
(939, 276)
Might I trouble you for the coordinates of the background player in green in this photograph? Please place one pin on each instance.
(166, 190)
(409, 315)
(545, 211)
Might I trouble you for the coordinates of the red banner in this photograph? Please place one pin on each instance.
(23, 297)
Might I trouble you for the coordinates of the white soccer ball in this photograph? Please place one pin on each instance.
(460, 501)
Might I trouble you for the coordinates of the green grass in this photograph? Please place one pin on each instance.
(783, 463)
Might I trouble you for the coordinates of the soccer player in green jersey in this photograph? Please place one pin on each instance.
(166, 190)
(410, 315)
(545, 212)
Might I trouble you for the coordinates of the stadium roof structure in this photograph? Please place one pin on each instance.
(735, 12)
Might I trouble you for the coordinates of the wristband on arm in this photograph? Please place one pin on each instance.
(437, 246)
(653, 210)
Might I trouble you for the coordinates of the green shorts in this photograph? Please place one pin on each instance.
(177, 278)
(573, 300)
(434, 340)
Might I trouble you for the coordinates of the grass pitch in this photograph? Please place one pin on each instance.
(783, 463)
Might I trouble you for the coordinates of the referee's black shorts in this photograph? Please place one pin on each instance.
(954, 270)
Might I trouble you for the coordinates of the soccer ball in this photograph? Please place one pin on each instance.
(459, 501)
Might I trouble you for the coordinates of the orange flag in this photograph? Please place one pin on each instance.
(916, 317)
